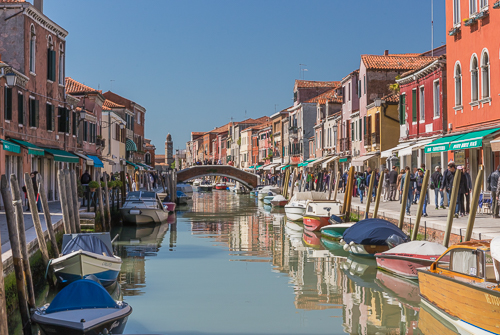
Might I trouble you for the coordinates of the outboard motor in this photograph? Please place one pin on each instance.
(335, 219)
(394, 240)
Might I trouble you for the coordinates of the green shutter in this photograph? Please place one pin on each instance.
(53, 73)
(20, 109)
(352, 131)
(49, 63)
(364, 125)
(360, 129)
(37, 109)
(74, 123)
(414, 105)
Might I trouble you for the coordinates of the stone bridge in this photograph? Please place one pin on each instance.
(247, 179)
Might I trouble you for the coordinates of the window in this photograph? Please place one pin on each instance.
(422, 104)
(32, 49)
(456, 12)
(364, 84)
(360, 128)
(73, 123)
(414, 105)
(349, 92)
(63, 123)
(485, 75)
(437, 95)
(33, 110)
(51, 61)
(458, 85)
(402, 109)
(85, 130)
(464, 261)
(474, 79)
(7, 103)
(49, 117)
(359, 88)
(472, 7)
(483, 4)
(61, 64)
(20, 108)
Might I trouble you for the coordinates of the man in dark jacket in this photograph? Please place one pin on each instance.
(85, 178)
(393, 180)
(447, 185)
(436, 182)
(493, 182)
(468, 179)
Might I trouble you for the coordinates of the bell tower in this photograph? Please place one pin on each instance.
(169, 150)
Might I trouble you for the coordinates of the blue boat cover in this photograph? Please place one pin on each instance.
(81, 294)
(180, 194)
(372, 231)
(87, 243)
(337, 219)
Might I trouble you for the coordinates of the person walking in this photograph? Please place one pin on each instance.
(387, 186)
(436, 182)
(398, 186)
(493, 183)
(447, 185)
(361, 183)
(419, 180)
(409, 199)
(462, 192)
(35, 188)
(344, 179)
(393, 180)
(468, 179)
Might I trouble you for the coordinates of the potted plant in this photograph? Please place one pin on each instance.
(111, 184)
(118, 184)
(93, 185)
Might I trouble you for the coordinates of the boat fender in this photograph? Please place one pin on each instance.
(352, 243)
(341, 240)
(346, 247)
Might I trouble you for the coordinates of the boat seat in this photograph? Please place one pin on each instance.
(490, 272)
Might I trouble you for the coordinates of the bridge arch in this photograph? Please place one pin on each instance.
(247, 179)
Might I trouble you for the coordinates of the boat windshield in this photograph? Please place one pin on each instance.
(140, 195)
(465, 261)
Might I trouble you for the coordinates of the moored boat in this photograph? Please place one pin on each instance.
(185, 188)
(144, 207)
(267, 200)
(182, 198)
(336, 231)
(264, 192)
(279, 201)
(221, 186)
(318, 213)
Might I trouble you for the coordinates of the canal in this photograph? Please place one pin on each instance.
(228, 265)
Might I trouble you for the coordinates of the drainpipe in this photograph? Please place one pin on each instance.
(109, 133)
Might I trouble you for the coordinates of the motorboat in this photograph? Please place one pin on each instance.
(462, 284)
(267, 199)
(264, 192)
(196, 185)
(318, 213)
(279, 201)
(255, 191)
(404, 259)
(182, 198)
(186, 189)
(205, 187)
(142, 207)
(83, 307)
(335, 230)
(296, 207)
(370, 236)
(86, 254)
(221, 186)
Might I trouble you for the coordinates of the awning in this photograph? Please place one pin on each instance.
(131, 164)
(12, 147)
(87, 160)
(97, 161)
(269, 167)
(441, 144)
(388, 153)
(305, 163)
(408, 150)
(317, 161)
(343, 160)
(330, 159)
(358, 161)
(109, 161)
(130, 145)
(284, 167)
(471, 140)
(143, 165)
(259, 167)
(495, 144)
(32, 149)
(62, 156)
(251, 167)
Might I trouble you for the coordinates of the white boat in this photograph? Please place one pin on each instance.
(186, 189)
(318, 213)
(196, 185)
(86, 254)
(296, 207)
(143, 207)
(264, 192)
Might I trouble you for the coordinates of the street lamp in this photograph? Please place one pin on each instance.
(11, 79)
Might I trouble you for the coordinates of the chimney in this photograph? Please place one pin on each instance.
(386, 52)
(38, 5)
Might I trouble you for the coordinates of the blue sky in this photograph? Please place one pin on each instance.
(195, 65)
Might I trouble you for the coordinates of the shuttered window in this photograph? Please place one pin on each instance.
(74, 123)
(414, 105)
(51, 65)
(402, 109)
(49, 119)
(85, 130)
(64, 120)
(20, 109)
(33, 113)
(7, 103)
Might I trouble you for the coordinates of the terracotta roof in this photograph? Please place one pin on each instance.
(432, 59)
(12, 1)
(159, 156)
(220, 129)
(393, 97)
(108, 104)
(327, 96)
(73, 86)
(351, 74)
(395, 62)
(197, 133)
(313, 84)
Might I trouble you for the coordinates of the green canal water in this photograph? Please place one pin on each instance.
(226, 264)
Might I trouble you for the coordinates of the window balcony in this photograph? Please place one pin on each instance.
(496, 5)
(454, 31)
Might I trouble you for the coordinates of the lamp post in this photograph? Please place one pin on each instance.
(11, 79)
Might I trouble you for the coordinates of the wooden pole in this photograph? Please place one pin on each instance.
(420, 207)
(46, 213)
(369, 195)
(163, 184)
(451, 209)
(123, 178)
(4, 327)
(404, 199)
(21, 230)
(347, 205)
(76, 201)
(17, 258)
(36, 220)
(475, 203)
(330, 185)
(294, 180)
(69, 200)
(62, 199)
(378, 195)
(337, 183)
(100, 200)
(106, 197)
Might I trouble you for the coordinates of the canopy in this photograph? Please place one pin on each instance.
(418, 248)
(130, 145)
(12, 147)
(441, 144)
(258, 167)
(358, 161)
(317, 161)
(32, 149)
(251, 167)
(408, 150)
(62, 156)
(131, 164)
(284, 167)
(471, 140)
(327, 161)
(97, 162)
(388, 153)
(305, 163)
(372, 231)
(89, 161)
(269, 167)
(81, 294)
(343, 160)
(87, 243)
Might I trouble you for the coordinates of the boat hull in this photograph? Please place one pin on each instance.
(335, 231)
(221, 187)
(367, 250)
(78, 264)
(170, 206)
(295, 213)
(465, 303)
(146, 216)
(279, 203)
(314, 223)
(404, 265)
(204, 188)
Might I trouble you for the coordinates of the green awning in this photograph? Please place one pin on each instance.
(32, 149)
(130, 145)
(471, 140)
(132, 164)
(251, 167)
(63, 156)
(258, 166)
(12, 147)
(284, 167)
(143, 165)
(441, 144)
(342, 160)
(306, 162)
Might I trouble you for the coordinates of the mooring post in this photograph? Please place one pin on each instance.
(337, 183)
(123, 179)
(21, 230)
(17, 258)
(378, 195)
(76, 201)
(475, 203)
(106, 196)
(404, 200)
(46, 213)
(101, 205)
(69, 200)
(369, 194)
(452, 207)
(63, 201)
(420, 207)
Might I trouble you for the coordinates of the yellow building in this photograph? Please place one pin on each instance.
(381, 125)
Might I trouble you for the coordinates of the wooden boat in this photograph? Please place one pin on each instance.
(404, 259)
(318, 213)
(296, 207)
(221, 186)
(368, 237)
(144, 207)
(462, 284)
(432, 321)
(279, 201)
(83, 307)
(86, 254)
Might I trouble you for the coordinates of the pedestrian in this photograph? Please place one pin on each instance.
(393, 180)
(419, 181)
(436, 182)
(447, 185)
(468, 179)
(462, 192)
(361, 183)
(85, 179)
(409, 199)
(387, 186)
(344, 177)
(493, 185)
(398, 185)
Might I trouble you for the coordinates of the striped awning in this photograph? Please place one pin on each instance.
(130, 145)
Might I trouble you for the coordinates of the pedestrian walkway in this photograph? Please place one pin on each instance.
(485, 227)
